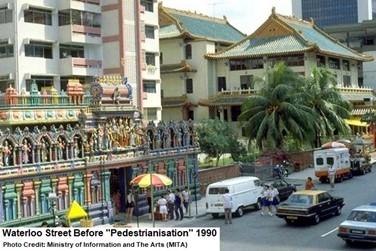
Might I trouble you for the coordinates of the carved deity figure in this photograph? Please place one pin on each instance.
(101, 145)
(7, 153)
(116, 96)
(44, 151)
(76, 149)
(26, 149)
(60, 149)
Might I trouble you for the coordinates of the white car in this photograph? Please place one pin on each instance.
(360, 225)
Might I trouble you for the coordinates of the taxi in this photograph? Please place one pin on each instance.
(309, 206)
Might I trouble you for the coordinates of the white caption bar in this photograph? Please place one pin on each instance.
(130, 239)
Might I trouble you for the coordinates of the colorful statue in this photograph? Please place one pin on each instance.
(60, 149)
(7, 153)
(26, 149)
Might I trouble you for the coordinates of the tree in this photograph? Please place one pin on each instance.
(321, 95)
(217, 138)
(276, 113)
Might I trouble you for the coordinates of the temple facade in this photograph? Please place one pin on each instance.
(84, 147)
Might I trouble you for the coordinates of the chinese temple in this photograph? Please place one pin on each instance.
(83, 145)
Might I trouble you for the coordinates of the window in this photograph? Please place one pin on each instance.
(235, 112)
(346, 81)
(319, 161)
(161, 58)
(149, 31)
(320, 60)
(38, 16)
(148, 4)
(68, 17)
(330, 160)
(345, 65)
(6, 50)
(189, 85)
(323, 197)
(74, 51)
(191, 115)
(246, 82)
(38, 49)
(221, 84)
(41, 81)
(150, 86)
(5, 15)
(246, 64)
(188, 51)
(218, 190)
(151, 113)
(333, 63)
(362, 216)
(150, 58)
(297, 60)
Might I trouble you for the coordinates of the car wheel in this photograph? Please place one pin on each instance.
(215, 215)
(363, 172)
(316, 219)
(350, 175)
(338, 211)
(240, 212)
(349, 242)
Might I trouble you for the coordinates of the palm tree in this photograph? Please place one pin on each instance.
(275, 113)
(322, 96)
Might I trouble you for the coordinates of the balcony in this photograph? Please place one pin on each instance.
(84, 5)
(80, 67)
(80, 34)
(228, 97)
(357, 93)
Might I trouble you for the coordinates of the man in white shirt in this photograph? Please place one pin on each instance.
(171, 204)
(227, 205)
(332, 175)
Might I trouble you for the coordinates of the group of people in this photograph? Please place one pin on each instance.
(269, 200)
(171, 205)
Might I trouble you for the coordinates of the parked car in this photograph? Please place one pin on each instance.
(360, 225)
(309, 206)
(284, 188)
(245, 191)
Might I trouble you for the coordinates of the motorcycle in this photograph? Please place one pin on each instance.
(280, 171)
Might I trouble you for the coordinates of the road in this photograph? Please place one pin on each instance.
(256, 232)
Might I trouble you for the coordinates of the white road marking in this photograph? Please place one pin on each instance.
(328, 233)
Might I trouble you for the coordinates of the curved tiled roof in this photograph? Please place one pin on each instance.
(199, 26)
(299, 36)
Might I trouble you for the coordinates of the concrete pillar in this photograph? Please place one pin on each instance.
(87, 181)
(37, 200)
(70, 185)
(1, 204)
(19, 206)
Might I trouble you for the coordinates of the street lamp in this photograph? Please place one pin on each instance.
(52, 198)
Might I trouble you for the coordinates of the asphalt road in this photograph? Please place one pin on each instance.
(256, 232)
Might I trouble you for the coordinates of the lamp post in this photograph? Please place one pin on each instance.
(52, 198)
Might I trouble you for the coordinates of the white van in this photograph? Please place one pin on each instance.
(245, 191)
(338, 157)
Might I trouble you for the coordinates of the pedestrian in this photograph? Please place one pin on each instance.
(171, 204)
(332, 175)
(227, 206)
(264, 202)
(309, 185)
(185, 199)
(116, 198)
(130, 205)
(179, 213)
(269, 198)
(276, 200)
(162, 203)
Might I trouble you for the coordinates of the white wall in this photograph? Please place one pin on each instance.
(364, 10)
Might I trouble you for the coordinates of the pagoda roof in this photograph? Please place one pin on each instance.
(197, 26)
(174, 68)
(280, 35)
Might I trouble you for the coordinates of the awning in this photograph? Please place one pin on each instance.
(356, 122)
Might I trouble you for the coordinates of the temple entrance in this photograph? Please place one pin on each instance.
(119, 187)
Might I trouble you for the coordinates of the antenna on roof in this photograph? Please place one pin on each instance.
(214, 4)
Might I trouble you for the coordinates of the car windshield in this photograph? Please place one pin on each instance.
(363, 216)
(218, 190)
(300, 199)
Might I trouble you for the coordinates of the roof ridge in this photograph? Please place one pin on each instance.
(197, 15)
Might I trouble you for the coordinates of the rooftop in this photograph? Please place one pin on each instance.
(280, 35)
(197, 26)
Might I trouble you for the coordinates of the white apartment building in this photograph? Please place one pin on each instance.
(50, 42)
(53, 41)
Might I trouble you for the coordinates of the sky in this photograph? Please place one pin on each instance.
(245, 15)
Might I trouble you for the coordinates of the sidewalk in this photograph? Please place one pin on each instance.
(145, 220)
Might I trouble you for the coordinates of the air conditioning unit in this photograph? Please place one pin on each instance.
(27, 76)
(10, 76)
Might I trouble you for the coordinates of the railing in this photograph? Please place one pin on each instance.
(237, 92)
(360, 90)
(86, 29)
(96, 2)
(40, 101)
(87, 63)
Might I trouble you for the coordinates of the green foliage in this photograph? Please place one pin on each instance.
(369, 117)
(218, 137)
(294, 110)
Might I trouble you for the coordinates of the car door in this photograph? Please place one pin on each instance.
(324, 204)
(281, 189)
